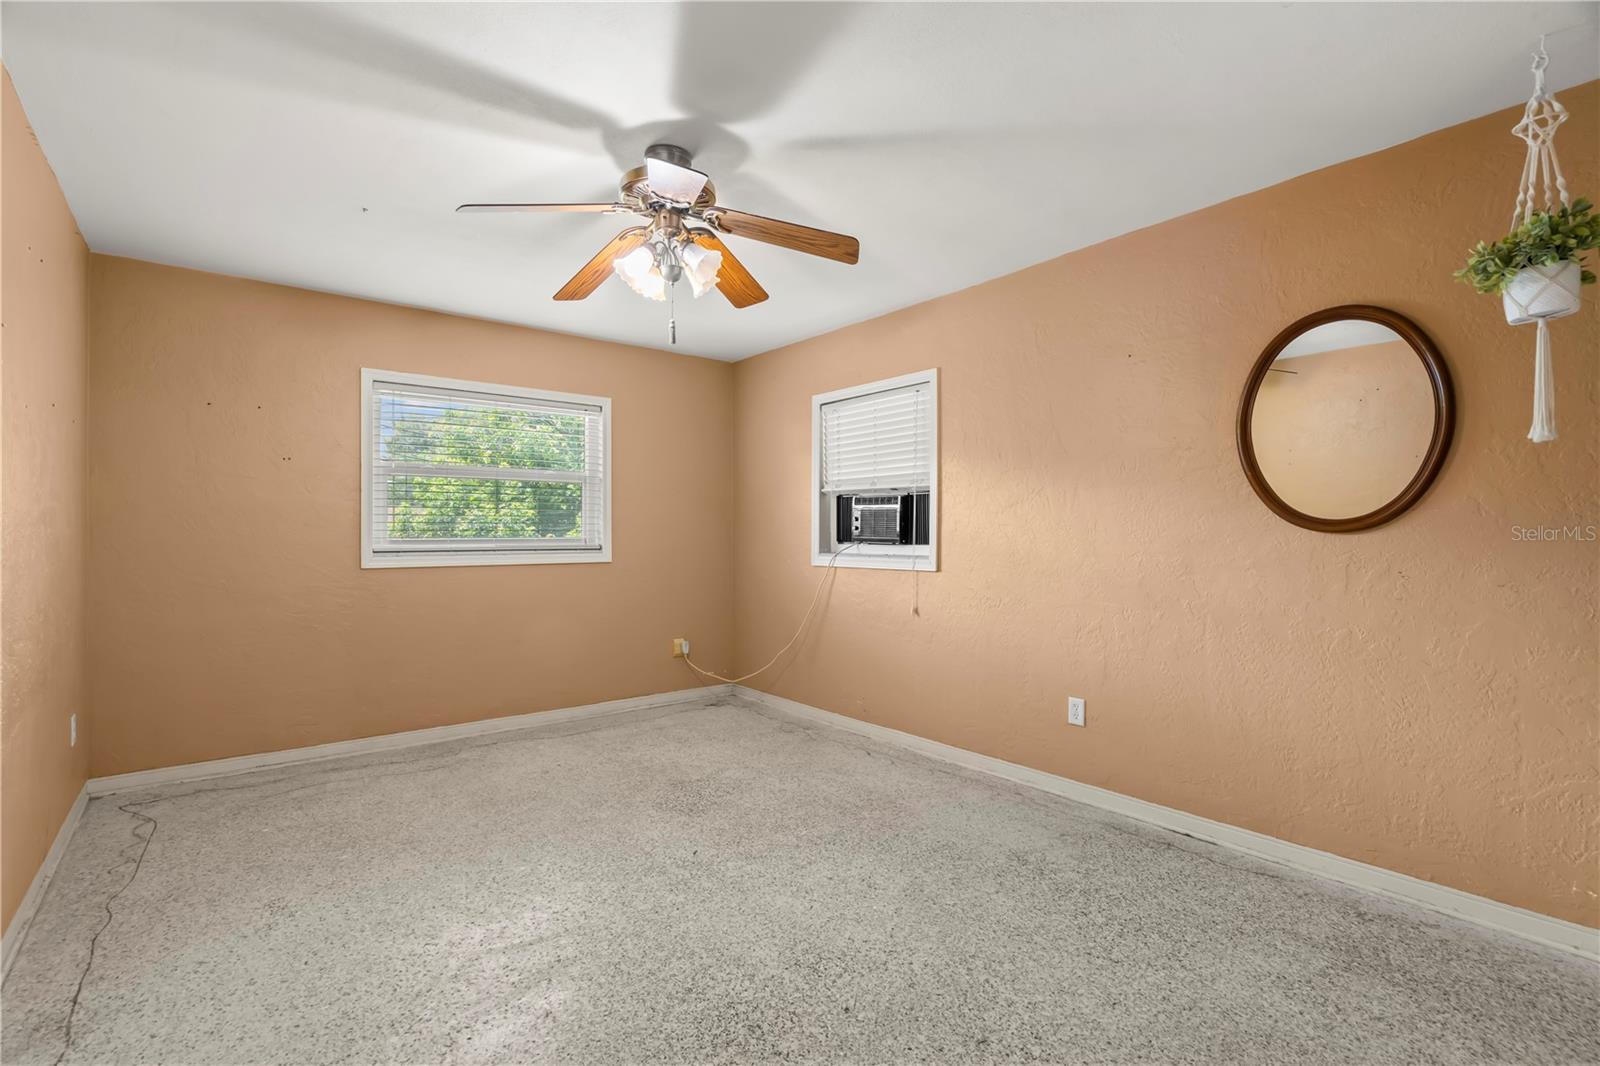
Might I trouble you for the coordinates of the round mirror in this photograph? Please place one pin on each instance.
(1345, 419)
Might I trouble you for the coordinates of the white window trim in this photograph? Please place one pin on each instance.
(877, 556)
(371, 560)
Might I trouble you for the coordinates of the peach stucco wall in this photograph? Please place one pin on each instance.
(229, 613)
(44, 373)
(1422, 696)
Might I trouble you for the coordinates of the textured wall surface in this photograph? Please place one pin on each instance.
(44, 371)
(229, 611)
(1422, 696)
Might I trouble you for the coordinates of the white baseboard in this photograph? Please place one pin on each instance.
(1530, 925)
(200, 771)
(18, 929)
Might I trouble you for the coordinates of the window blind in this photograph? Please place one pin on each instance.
(880, 441)
(461, 471)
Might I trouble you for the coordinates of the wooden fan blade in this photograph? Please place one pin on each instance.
(594, 208)
(733, 280)
(834, 246)
(672, 182)
(598, 269)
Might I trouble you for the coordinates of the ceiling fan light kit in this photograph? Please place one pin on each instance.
(681, 239)
(649, 270)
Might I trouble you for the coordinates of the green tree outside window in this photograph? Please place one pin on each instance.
(447, 508)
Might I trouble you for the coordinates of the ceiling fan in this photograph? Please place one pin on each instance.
(681, 240)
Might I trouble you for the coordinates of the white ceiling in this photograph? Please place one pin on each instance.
(325, 145)
(1336, 336)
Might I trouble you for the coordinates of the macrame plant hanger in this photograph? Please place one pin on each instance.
(1538, 294)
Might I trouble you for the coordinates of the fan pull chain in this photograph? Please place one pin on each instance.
(672, 313)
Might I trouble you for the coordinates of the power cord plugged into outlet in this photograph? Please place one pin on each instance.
(815, 598)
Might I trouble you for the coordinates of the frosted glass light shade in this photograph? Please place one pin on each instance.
(639, 270)
(700, 267)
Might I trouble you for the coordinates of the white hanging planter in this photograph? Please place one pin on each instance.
(1543, 292)
(1539, 294)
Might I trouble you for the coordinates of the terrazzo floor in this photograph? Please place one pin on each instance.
(714, 883)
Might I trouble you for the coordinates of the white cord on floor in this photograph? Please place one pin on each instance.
(815, 596)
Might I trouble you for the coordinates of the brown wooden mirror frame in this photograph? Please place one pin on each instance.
(1444, 417)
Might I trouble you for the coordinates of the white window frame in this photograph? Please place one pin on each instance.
(371, 559)
(923, 557)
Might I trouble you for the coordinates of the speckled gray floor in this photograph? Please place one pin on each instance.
(710, 884)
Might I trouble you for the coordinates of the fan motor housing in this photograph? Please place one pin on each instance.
(634, 180)
(670, 153)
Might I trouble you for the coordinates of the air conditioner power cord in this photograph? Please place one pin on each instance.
(815, 598)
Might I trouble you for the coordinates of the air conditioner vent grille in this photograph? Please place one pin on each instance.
(878, 518)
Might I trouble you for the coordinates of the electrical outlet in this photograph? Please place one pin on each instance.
(72, 729)
(680, 647)
(1075, 710)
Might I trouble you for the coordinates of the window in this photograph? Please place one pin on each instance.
(457, 473)
(875, 474)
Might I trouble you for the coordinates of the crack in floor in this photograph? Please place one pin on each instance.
(94, 941)
(441, 760)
